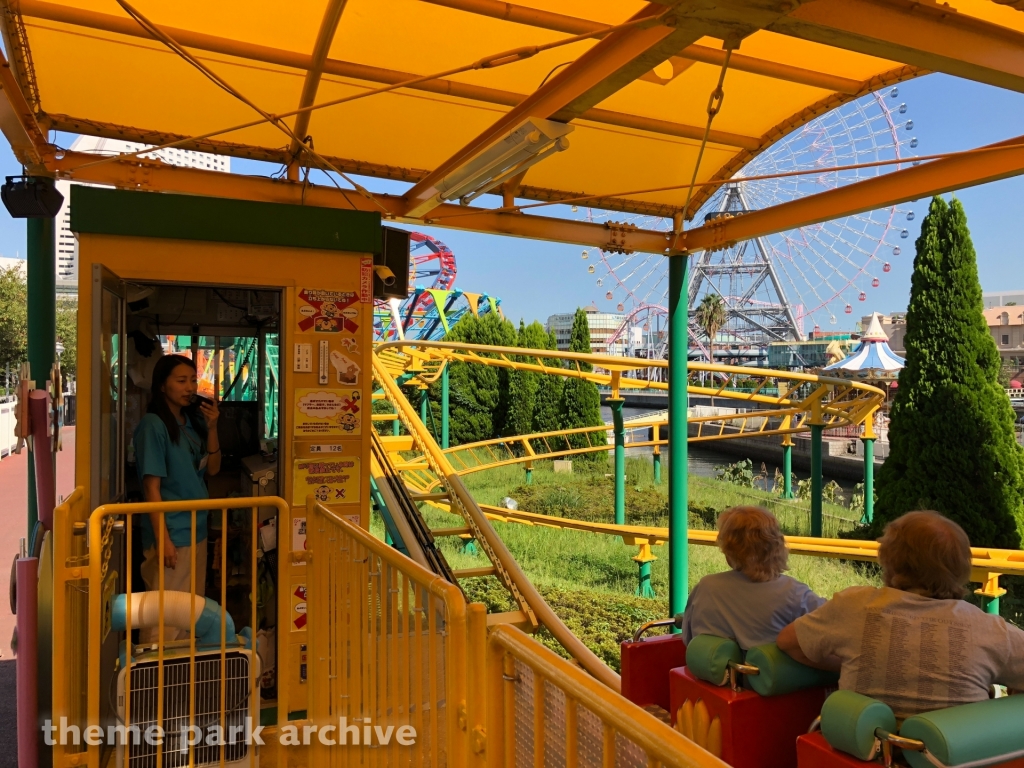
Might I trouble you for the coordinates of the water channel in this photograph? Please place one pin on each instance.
(703, 460)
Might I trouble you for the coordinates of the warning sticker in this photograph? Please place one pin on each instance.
(328, 311)
(298, 534)
(299, 607)
(366, 279)
(320, 412)
(347, 368)
(331, 481)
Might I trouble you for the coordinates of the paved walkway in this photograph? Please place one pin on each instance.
(13, 520)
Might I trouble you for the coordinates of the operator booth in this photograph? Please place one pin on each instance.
(274, 306)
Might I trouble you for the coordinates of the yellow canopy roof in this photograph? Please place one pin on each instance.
(637, 96)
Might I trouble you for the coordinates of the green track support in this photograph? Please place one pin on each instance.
(678, 489)
(529, 473)
(424, 405)
(816, 510)
(787, 470)
(992, 605)
(391, 535)
(618, 430)
(42, 324)
(869, 481)
(657, 465)
(444, 407)
(644, 588)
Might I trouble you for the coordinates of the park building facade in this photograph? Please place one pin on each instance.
(603, 326)
(66, 247)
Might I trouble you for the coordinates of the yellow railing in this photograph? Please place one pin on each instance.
(387, 648)
(110, 534)
(71, 592)
(433, 462)
(788, 401)
(392, 644)
(543, 711)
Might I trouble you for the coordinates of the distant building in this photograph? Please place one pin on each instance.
(1003, 299)
(817, 352)
(66, 245)
(1006, 324)
(602, 326)
(20, 264)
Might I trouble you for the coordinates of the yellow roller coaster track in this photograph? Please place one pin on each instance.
(788, 403)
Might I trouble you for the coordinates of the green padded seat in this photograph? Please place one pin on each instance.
(849, 720)
(780, 673)
(969, 732)
(708, 657)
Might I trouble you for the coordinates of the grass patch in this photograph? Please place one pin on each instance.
(589, 579)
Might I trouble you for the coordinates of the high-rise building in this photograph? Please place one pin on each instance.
(602, 326)
(66, 246)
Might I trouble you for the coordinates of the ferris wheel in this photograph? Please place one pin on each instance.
(777, 287)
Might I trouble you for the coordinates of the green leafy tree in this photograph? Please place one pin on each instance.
(523, 385)
(710, 316)
(951, 438)
(581, 402)
(67, 334)
(547, 408)
(13, 319)
(14, 325)
(477, 404)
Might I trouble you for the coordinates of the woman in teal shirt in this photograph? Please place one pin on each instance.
(175, 449)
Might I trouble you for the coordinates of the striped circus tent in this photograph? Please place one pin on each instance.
(872, 359)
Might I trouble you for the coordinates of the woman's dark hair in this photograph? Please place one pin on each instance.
(158, 401)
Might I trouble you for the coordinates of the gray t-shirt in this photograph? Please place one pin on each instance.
(915, 653)
(728, 604)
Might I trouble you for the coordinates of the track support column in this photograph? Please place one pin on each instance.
(424, 406)
(42, 325)
(529, 473)
(643, 559)
(787, 467)
(619, 432)
(678, 489)
(869, 480)
(816, 510)
(656, 457)
(990, 594)
(444, 406)
(868, 439)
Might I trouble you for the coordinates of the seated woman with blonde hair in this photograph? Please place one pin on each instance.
(752, 602)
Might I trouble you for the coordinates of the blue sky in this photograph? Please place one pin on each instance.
(535, 279)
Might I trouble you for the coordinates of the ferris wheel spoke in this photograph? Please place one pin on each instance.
(798, 273)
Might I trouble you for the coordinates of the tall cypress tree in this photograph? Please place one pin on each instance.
(581, 402)
(522, 385)
(547, 408)
(951, 434)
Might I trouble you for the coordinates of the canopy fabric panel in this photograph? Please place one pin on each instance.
(87, 66)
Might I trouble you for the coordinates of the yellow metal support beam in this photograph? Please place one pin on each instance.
(927, 35)
(998, 161)
(324, 38)
(612, 63)
(153, 175)
(534, 17)
(19, 126)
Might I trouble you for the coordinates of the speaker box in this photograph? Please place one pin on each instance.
(31, 197)
(395, 256)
